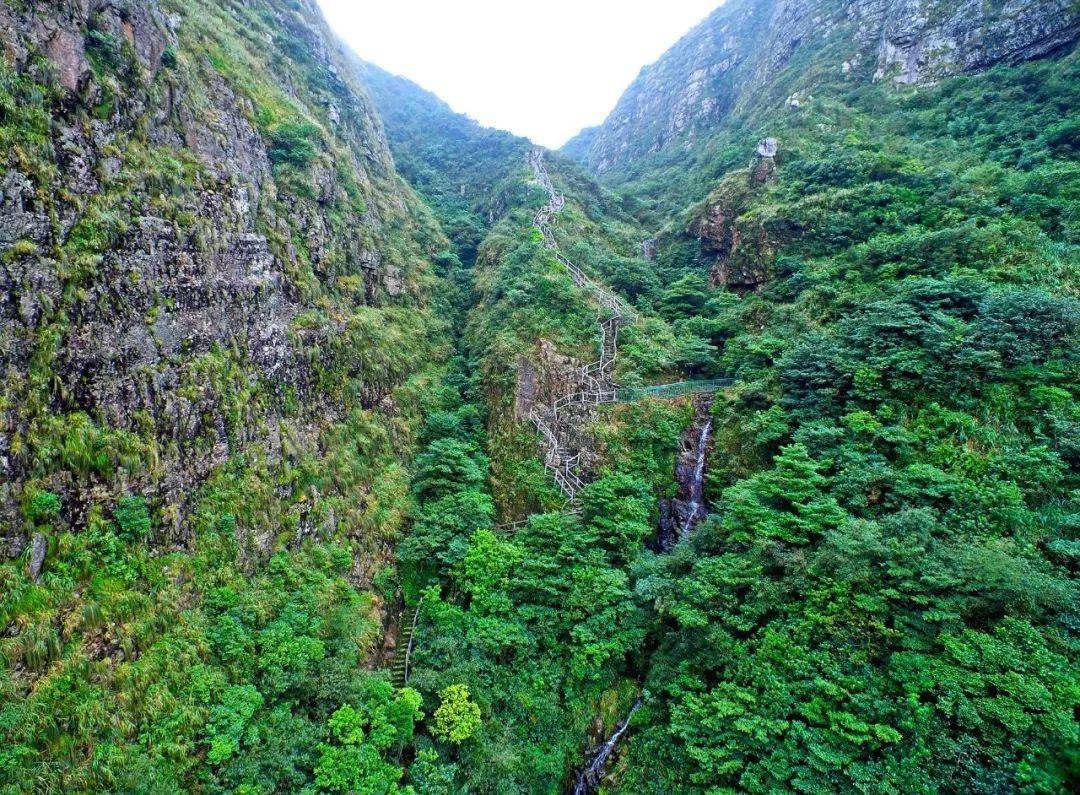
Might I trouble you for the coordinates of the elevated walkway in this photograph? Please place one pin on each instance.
(671, 391)
(595, 381)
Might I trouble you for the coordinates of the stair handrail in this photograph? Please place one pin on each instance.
(595, 385)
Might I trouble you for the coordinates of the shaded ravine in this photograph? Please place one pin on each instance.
(594, 386)
(588, 780)
(678, 518)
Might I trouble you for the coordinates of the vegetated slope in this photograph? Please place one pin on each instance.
(215, 328)
(458, 166)
(514, 676)
(882, 599)
(884, 595)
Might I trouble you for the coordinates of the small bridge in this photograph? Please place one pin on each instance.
(671, 391)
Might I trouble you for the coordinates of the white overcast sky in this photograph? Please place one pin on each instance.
(543, 69)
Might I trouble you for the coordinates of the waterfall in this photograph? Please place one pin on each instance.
(588, 780)
(681, 514)
(697, 484)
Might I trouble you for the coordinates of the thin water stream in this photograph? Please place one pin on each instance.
(680, 514)
(697, 482)
(683, 513)
(588, 780)
(679, 517)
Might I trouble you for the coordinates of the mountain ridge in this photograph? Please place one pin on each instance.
(459, 170)
(716, 69)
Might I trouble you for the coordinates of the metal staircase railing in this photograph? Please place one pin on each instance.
(399, 671)
(595, 381)
(595, 384)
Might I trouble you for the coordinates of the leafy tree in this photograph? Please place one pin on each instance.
(429, 776)
(685, 297)
(356, 758)
(617, 509)
(789, 503)
(446, 466)
(231, 722)
(457, 717)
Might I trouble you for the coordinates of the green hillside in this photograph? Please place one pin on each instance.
(347, 445)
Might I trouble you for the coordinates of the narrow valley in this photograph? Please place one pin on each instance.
(350, 446)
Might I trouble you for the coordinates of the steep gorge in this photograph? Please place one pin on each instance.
(813, 251)
(273, 418)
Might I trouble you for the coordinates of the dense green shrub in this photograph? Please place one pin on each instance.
(293, 143)
(44, 505)
(133, 517)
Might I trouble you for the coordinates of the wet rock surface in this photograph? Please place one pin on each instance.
(590, 778)
(682, 513)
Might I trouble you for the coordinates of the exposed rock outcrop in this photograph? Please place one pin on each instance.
(38, 548)
(179, 256)
(737, 57)
(740, 249)
(648, 249)
(764, 166)
(544, 377)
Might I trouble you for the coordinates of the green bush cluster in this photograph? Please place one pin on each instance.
(877, 602)
(293, 143)
(519, 634)
(181, 668)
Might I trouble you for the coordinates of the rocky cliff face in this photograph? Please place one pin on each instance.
(740, 54)
(740, 247)
(205, 256)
